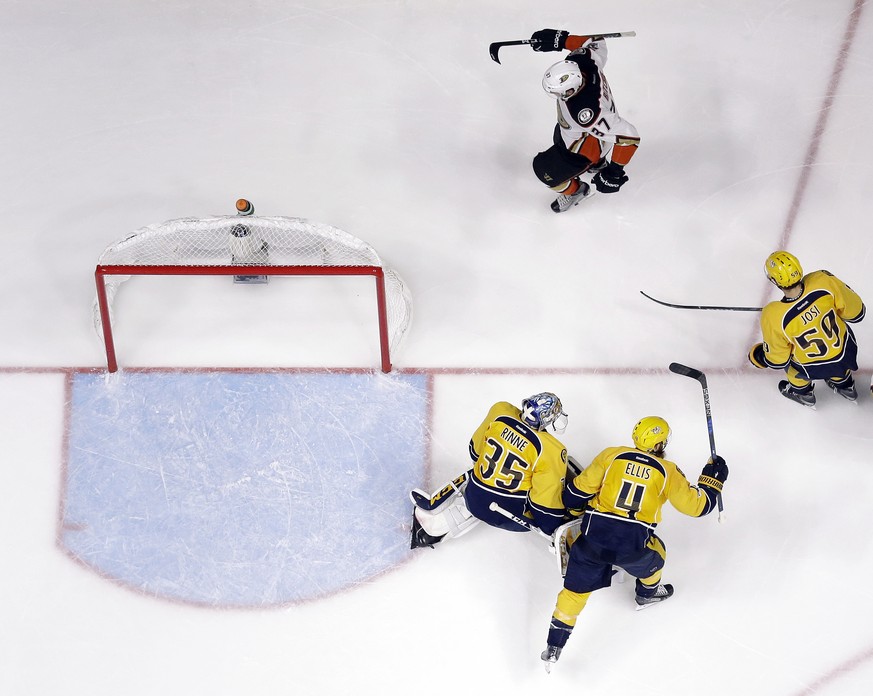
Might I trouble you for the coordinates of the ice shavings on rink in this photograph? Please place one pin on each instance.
(242, 489)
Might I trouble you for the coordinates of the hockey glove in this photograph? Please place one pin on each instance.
(714, 474)
(610, 179)
(571, 515)
(757, 358)
(546, 40)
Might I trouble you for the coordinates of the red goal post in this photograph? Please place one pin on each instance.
(253, 248)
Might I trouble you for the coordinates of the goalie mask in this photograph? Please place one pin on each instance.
(543, 410)
(563, 80)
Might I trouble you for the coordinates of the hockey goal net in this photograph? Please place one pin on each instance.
(251, 249)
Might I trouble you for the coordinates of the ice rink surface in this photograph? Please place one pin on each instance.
(389, 120)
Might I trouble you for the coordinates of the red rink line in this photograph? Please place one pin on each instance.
(742, 370)
(815, 141)
(821, 125)
(840, 670)
(433, 371)
(864, 657)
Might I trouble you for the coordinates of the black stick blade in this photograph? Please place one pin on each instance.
(687, 306)
(685, 371)
(493, 49)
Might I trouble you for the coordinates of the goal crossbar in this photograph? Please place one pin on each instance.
(231, 270)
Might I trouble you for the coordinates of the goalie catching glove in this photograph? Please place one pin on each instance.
(757, 356)
(714, 474)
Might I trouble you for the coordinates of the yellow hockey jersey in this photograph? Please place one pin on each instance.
(511, 458)
(811, 331)
(628, 483)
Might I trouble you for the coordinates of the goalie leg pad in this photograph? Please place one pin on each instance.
(431, 502)
(449, 520)
(564, 536)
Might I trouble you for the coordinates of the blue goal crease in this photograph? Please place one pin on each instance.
(242, 489)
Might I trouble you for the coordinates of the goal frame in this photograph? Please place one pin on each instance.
(104, 270)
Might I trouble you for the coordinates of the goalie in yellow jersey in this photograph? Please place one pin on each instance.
(620, 496)
(517, 464)
(807, 332)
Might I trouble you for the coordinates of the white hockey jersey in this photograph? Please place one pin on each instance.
(592, 110)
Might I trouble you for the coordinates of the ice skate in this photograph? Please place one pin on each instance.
(661, 593)
(849, 393)
(550, 656)
(420, 537)
(563, 203)
(788, 392)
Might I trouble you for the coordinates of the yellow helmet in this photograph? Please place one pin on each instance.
(783, 269)
(651, 434)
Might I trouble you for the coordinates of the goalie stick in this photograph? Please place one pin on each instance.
(495, 507)
(494, 48)
(560, 549)
(430, 502)
(685, 371)
(558, 542)
(685, 306)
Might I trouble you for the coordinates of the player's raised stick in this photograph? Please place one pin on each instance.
(494, 48)
(686, 371)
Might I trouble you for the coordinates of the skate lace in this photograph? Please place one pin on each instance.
(659, 592)
(564, 200)
(551, 653)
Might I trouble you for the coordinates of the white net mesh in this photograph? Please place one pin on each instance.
(252, 240)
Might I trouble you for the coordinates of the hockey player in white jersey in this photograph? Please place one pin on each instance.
(590, 137)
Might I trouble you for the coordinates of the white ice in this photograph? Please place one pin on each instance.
(390, 121)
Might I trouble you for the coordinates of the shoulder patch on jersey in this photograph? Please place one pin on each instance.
(585, 116)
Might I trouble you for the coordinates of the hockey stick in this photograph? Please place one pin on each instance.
(557, 542)
(685, 306)
(559, 550)
(495, 507)
(494, 48)
(686, 371)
